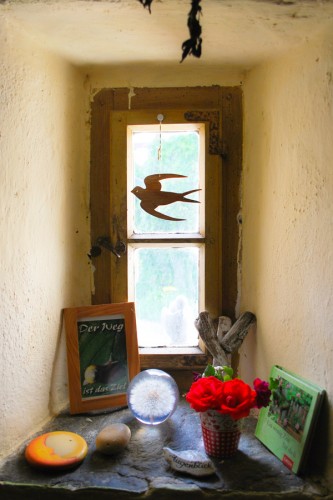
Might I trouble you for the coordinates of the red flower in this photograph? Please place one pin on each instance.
(205, 394)
(263, 392)
(237, 399)
(229, 397)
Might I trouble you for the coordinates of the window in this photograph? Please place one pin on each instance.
(206, 243)
(166, 278)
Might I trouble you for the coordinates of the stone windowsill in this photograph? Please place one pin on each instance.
(141, 471)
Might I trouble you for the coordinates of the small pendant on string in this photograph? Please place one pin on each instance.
(160, 118)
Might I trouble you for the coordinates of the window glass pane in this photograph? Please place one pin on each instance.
(166, 282)
(179, 155)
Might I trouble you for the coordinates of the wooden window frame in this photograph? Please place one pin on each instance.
(222, 108)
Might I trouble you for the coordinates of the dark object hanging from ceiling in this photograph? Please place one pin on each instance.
(194, 43)
(146, 4)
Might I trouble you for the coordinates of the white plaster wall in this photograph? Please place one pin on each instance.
(44, 227)
(166, 75)
(287, 275)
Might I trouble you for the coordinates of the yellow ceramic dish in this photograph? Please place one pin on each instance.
(58, 449)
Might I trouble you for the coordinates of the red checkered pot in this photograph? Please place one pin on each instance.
(220, 434)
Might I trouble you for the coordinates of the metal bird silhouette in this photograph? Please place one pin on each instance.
(152, 196)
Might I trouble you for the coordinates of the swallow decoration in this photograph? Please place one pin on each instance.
(152, 196)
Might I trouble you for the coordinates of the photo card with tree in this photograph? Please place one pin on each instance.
(287, 425)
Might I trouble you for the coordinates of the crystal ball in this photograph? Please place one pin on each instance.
(152, 396)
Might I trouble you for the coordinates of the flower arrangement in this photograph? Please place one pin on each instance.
(217, 390)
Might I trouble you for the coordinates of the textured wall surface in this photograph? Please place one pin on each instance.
(43, 227)
(119, 34)
(287, 216)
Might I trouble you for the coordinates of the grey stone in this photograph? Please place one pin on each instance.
(141, 471)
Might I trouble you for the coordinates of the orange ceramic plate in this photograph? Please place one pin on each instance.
(58, 449)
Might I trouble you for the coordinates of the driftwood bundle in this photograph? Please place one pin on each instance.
(222, 339)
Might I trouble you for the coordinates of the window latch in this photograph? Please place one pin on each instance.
(104, 241)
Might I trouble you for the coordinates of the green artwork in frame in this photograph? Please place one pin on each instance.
(102, 355)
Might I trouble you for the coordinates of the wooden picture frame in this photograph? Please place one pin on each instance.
(102, 355)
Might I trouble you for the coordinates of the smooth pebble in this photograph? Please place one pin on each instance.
(113, 439)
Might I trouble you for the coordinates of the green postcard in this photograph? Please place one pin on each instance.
(103, 356)
(286, 426)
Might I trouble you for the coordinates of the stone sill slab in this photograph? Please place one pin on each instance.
(141, 472)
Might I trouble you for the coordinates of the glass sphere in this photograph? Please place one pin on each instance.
(152, 396)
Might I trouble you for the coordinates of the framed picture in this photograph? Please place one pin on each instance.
(287, 425)
(102, 355)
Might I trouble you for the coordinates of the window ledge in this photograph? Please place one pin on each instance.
(142, 472)
(173, 358)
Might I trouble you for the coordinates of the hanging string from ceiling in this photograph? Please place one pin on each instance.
(160, 118)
